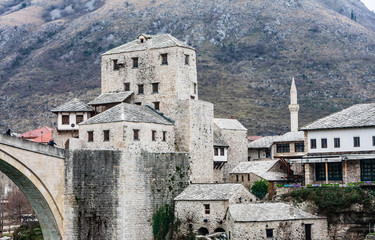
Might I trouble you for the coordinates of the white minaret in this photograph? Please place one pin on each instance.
(293, 107)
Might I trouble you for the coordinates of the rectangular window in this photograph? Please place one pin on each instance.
(299, 147)
(221, 151)
(373, 140)
(106, 135)
(164, 136)
(195, 88)
(186, 59)
(269, 233)
(65, 120)
(268, 153)
(136, 134)
(90, 136)
(216, 151)
(115, 65)
(334, 171)
(155, 87)
(368, 170)
(127, 86)
(324, 142)
(79, 118)
(140, 89)
(282, 148)
(206, 208)
(164, 59)
(153, 133)
(356, 141)
(135, 62)
(138, 103)
(157, 105)
(313, 143)
(236, 178)
(336, 142)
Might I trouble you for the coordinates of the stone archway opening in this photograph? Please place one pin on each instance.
(203, 231)
(39, 204)
(219, 230)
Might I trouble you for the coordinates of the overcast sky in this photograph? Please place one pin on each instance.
(370, 4)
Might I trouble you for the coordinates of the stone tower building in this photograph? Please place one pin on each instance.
(160, 71)
(293, 107)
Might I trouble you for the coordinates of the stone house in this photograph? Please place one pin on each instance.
(235, 136)
(201, 208)
(69, 115)
(341, 147)
(128, 126)
(220, 153)
(246, 173)
(273, 221)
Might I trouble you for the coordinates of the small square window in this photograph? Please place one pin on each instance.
(90, 136)
(356, 141)
(79, 118)
(269, 233)
(206, 208)
(299, 147)
(106, 135)
(136, 134)
(140, 89)
(115, 65)
(164, 136)
(324, 142)
(127, 86)
(155, 87)
(157, 105)
(65, 120)
(135, 62)
(313, 143)
(153, 133)
(164, 59)
(336, 142)
(138, 103)
(186, 59)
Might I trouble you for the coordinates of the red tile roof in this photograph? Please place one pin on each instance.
(37, 133)
(45, 138)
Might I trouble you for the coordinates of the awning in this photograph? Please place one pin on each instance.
(332, 158)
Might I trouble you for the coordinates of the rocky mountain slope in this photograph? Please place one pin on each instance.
(248, 50)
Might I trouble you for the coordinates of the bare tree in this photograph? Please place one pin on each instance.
(17, 205)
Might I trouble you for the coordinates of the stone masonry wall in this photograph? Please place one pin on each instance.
(113, 194)
(294, 229)
(237, 151)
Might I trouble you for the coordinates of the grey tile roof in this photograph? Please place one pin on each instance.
(290, 137)
(264, 142)
(125, 112)
(74, 105)
(265, 212)
(206, 192)
(154, 42)
(360, 115)
(219, 141)
(107, 98)
(231, 124)
(260, 168)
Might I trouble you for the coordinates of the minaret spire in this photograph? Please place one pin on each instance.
(293, 107)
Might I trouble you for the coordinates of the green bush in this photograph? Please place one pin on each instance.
(332, 199)
(260, 188)
(162, 222)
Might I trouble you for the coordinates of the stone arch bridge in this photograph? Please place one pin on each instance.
(38, 170)
(93, 194)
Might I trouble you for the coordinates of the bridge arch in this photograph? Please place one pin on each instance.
(42, 201)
